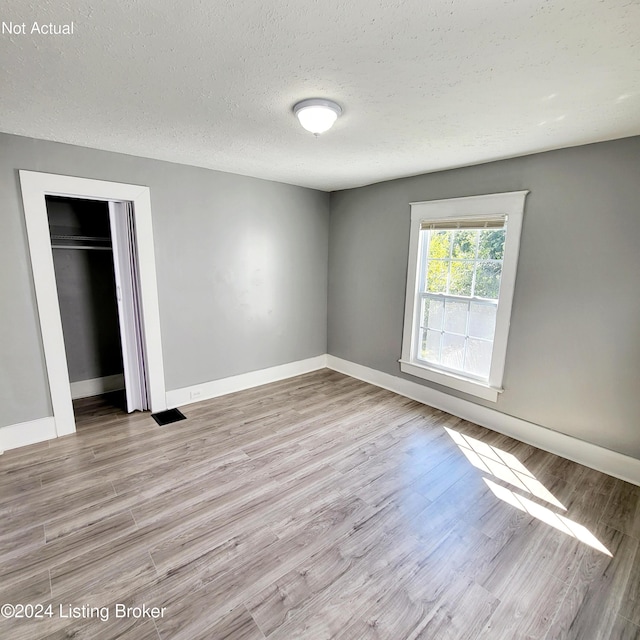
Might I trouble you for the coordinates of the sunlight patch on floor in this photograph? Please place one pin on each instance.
(503, 465)
(506, 467)
(566, 525)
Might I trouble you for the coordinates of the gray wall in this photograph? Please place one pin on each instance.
(573, 360)
(241, 265)
(86, 290)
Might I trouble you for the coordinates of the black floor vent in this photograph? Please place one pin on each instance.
(168, 416)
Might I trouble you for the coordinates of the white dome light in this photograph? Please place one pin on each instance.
(317, 115)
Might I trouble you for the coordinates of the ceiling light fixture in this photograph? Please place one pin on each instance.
(317, 115)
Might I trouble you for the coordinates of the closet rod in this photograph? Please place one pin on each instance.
(79, 246)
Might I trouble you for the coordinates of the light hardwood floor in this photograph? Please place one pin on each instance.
(316, 507)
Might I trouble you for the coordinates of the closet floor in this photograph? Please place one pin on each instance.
(106, 406)
(314, 507)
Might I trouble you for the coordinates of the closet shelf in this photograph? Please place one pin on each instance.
(65, 241)
(80, 246)
(55, 237)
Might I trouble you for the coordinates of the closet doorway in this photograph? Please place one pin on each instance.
(122, 231)
(95, 263)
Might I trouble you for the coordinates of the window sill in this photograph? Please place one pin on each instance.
(472, 387)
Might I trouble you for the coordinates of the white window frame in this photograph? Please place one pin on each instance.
(511, 205)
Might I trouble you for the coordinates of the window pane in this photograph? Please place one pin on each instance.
(488, 280)
(492, 244)
(440, 244)
(433, 345)
(455, 316)
(464, 244)
(461, 278)
(432, 313)
(452, 351)
(482, 320)
(429, 345)
(478, 359)
(437, 276)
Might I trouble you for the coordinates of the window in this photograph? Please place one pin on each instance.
(462, 263)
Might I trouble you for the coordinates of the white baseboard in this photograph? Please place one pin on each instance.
(19, 435)
(96, 386)
(610, 462)
(216, 388)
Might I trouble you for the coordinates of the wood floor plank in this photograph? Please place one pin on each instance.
(590, 607)
(623, 510)
(318, 607)
(17, 542)
(160, 481)
(333, 609)
(458, 612)
(113, 629)
(630, 601)
(236, 625)
(623, 629)
(461, 614)
(65, 548)
(528, 611)
(14, 472)
(218, 591)
(282, 599)
(94, 585)
(48, 504)
(572, 472)
(32, 589)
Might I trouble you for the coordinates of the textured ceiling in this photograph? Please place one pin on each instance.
(424, 84)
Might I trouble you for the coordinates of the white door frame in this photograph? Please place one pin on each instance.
(35, 186)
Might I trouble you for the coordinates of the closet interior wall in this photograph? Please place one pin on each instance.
(83, 263)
